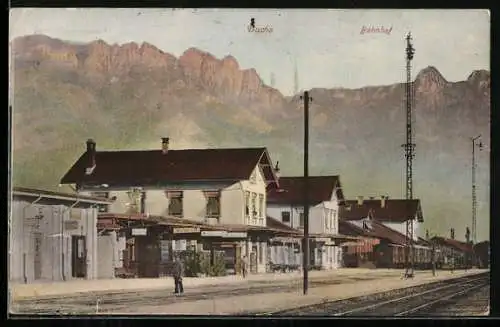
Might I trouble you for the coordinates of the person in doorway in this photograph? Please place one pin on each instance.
(178, 272)
(244, 266)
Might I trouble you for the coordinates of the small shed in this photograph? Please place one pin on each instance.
(52, 235)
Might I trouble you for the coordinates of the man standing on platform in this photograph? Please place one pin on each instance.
(244, 266)
(178, 272)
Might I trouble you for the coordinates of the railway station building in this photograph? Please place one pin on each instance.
(285, 203)
(218, 194)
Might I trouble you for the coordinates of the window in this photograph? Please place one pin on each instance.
(105, 195)
(134, 204)
(285, 216)
(301, 219)
(143, 202)
(334, 221)
(213, 204)
(254, 205)
(176, 204)
(261, 252)
(327, 216)
(247, 204)
(261, 205)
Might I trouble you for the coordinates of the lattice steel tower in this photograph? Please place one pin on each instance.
(409, 147)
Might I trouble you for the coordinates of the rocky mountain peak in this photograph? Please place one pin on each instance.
(430, 80)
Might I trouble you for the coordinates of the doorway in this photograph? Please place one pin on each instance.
(237, 259)
(38, 238)
(78, 256)
(253, 260)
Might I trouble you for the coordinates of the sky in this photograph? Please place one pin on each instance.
(326, 46)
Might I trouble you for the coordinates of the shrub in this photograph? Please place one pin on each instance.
(196, 263)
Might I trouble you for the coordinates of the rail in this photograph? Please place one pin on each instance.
(397, 302)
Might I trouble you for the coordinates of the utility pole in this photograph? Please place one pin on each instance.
(305, 247)
(295, 79)
(452, 232)
(474, 199)
(467, 240)
(409, 147)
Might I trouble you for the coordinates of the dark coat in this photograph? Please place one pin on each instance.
(178, 270)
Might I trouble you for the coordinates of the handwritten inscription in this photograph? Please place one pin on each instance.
(375, 30)
(252, 28)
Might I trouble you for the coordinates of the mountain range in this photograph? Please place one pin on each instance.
(128, 96)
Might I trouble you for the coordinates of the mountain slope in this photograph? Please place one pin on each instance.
(128, 96)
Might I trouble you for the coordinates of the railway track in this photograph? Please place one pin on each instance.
(471, 302)
(412, 301)
(108, 302)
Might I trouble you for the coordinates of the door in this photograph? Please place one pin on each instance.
(253, 261)
(38, 255)
(237, 258)
(78, 256)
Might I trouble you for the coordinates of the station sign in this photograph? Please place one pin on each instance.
(213, 233)
(186, 230)
(75, 214)
(139, 231)
(286, 240)
(236, 234)
(71, 224)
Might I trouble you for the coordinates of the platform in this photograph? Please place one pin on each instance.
(269, 302)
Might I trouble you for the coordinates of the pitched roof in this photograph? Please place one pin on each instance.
(152, 166)
(375, 230)
(395, 210)
(347, 228)
(379, 230)
(461, 246)
(276, 224)
(424, 242)
(291, 190)
(31, 192)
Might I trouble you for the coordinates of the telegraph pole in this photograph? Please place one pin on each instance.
(452, 234)
(305, 247)
(409, 147)
(474, 198)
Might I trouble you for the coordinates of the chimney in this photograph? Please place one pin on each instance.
(164, 144)
(360, 200)
(277, 170)
(382, 201)
(91, 156)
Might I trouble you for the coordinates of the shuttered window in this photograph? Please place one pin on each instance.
(213, 204)
(175, 205)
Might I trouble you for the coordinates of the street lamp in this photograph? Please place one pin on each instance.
(476, 142)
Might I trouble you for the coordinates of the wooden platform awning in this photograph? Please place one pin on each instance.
(122, 221)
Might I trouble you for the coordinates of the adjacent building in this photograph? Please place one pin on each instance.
(53, 236)
(286, 204)
(358, 253)
(216, 187)
(393, 213)
(453, 252)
